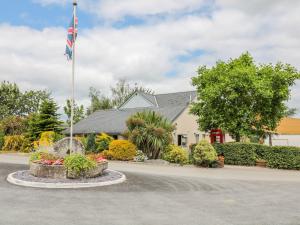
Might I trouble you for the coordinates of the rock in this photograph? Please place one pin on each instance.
(48, 171)
(46, 148)
(61, 147)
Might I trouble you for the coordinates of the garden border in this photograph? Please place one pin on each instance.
(73, 185)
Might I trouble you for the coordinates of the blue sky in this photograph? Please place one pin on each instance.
(32, 14)
(158, 44)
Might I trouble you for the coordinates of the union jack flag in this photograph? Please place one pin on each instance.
(72, 30)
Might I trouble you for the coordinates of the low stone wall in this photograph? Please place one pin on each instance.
(60, 172)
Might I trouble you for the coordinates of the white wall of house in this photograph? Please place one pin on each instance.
(285, 140)
(120, 137)
(136, 101)
(186, 125)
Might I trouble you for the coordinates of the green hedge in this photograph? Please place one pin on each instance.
(283, 157)
(237, 153)
(245, 154)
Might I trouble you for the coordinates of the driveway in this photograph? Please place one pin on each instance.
(158, 195)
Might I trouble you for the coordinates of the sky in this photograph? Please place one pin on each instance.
(158, 44)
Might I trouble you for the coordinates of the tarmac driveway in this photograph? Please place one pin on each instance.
(153, 195)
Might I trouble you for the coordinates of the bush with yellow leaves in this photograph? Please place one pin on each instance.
(102, 141)
(121, 150)
(16, 143)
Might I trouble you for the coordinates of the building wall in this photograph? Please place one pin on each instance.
(136, 101)
(186, 124)
(285, 140)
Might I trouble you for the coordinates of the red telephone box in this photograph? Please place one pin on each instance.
(217, 136)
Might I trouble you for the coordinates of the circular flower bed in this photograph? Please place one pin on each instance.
(74, 166)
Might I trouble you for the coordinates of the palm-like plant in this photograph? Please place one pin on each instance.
(150, 132)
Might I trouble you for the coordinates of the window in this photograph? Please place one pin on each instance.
(115, 137)
(182, 140)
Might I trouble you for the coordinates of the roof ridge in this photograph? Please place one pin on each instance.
(175, 92)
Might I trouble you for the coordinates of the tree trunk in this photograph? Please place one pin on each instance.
(270, 139)
(237, 137)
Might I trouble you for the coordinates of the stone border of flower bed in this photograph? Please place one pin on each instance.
(63, 185)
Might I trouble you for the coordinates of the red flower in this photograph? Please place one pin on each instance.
(47, 162)
(100, 159)
(59, 162)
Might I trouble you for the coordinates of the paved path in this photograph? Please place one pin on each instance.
(158, 195)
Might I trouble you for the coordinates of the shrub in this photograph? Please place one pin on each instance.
(106, 154)
(91, 143)
(82, 139)
(78, 163)
(1, 139)
(121, 150)
(102, 141)
(140, 156)
(47, 138)
(283, 157)
(238, 153)
(16, 143)
(192, 148)
(58, 137)
(176, 154)
(261, 150)
(150, 131)
(42, 155)
(204, 154)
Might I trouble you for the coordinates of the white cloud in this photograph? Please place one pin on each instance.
(50, 2)
(145, 53)
(117, 9)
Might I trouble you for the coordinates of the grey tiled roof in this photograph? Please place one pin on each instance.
(149, 97)
(178, 98)
(114, 121)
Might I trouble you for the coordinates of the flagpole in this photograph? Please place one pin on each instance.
(73, 75)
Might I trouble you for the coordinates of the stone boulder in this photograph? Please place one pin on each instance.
(62, 147)
(48, 171)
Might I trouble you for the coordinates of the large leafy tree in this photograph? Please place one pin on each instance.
(78, 112)
(150, 132)
(13, 125)
(98, 101)
(10, 96)
(119, 93)
(31, 101)
(241, 97)
(15, 102)
(123, 90)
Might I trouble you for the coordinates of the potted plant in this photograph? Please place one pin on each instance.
(221, 160)
(261, 163)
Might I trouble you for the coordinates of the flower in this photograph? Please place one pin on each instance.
(100, 159)
(59, 162)
(47, 162)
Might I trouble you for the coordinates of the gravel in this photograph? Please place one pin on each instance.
(108, 175)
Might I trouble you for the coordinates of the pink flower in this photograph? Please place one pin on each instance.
(58, 162)
(100, 159)
(47, 162)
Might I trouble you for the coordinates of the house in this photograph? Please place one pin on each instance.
(287, 132)
(173, 106)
